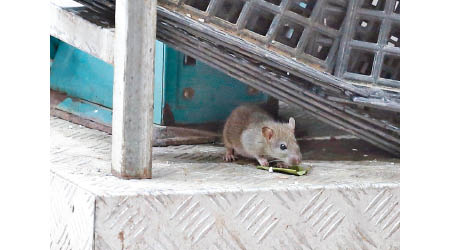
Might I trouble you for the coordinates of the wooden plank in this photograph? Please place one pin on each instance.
(79, 32)
(133, 88)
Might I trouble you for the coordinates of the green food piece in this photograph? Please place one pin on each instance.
(294, 170)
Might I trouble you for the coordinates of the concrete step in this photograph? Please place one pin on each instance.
(196, 201)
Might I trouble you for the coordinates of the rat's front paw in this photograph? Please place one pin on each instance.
(263, 162)
(229, 158)
(229, 155)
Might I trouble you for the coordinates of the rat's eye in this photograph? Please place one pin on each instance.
(283, 147)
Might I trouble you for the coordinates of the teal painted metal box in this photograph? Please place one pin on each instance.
(186, 91)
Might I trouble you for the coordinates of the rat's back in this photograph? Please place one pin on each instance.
(239, 120)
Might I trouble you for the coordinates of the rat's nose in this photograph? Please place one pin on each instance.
(295, 160)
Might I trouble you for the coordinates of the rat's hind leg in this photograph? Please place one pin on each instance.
(229, 155)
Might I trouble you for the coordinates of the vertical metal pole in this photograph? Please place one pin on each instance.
(134, 49)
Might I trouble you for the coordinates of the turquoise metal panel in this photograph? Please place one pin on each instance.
(87, 110)
(53, 46)
(81, 75)
(215, 93)
(86, 77)
(159, 87)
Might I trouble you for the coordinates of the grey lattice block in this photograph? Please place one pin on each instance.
(303, 29)
(356, 40)
(370, 47)
(195, 201)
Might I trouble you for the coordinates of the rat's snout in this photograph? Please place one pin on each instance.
(295, 160)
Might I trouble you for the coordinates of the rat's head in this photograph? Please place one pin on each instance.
(282, 143)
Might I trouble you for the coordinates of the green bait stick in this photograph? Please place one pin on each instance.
(293, 170)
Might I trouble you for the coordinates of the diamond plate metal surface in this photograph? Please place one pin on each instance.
(72, 215)
(196, 201)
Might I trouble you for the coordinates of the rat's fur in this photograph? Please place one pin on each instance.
(251, 132)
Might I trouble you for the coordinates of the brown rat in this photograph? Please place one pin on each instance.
(253, 133)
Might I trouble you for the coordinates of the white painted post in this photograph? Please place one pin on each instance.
(134, 52)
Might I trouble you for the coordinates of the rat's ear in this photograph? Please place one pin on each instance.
(292, 123)
(267, 132)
